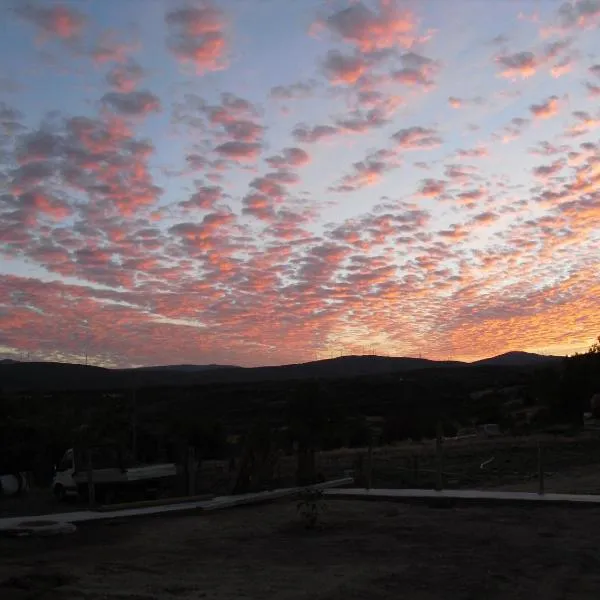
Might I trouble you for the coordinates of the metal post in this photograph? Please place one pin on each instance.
(540, 469)
(370, 464)
(90, 478)
(416, 469)
(439, 452)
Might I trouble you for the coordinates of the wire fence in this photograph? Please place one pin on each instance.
(535, 464)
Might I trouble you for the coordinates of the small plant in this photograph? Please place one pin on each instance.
(311, 506)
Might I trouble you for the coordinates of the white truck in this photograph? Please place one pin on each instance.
(110, 473)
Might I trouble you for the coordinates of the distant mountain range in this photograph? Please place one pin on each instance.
(15, 375)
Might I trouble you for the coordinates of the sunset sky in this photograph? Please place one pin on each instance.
(271, 181)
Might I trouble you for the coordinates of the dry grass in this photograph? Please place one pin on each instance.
(371, 550)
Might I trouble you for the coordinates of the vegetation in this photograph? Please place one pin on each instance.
(311, 506)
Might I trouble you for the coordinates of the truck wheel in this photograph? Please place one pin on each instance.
(59, 492)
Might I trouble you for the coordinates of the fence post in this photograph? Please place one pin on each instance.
(90, 480)
(540, 469)
(416, 469)
(370, 464)
(439, 452)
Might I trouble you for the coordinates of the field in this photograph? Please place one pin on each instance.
(372, 550)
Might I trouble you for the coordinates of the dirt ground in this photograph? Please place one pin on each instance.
(371, 550)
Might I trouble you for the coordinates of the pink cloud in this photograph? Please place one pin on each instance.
(417, 70)
(593, 90)
(59, 20)
(110, 47)
(340, 68)
(259, 206)
(370, 30)
(432, 188)
(289, 157)
(479, 152)
(546, 171)
(310, 135)
(367, 172)
(125, 78)
(239, 150)
(205, 197)
(196, 35)
(294, 91)
(132, 104)
(417, 138)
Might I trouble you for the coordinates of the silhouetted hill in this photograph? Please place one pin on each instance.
(520, 359)
(187, 368)
(49, 376)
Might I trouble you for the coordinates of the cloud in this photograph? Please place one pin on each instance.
(545, 110)
(244, 131)
(259, 206)
(125, 78)
(196, 35)
(309, 135)
(417, 138)
(205, 197)
(593, 89)
(479, 152)
(239, 150)
(370, 30)
(513, 130)
(132, 104)
(61, 21)
(584, 124)
(361, 120)
(341, 68)
(579, 14)
(417, 70)
(111, 48)
(457, 103)
(367, 172)
(432, 188)
(294, 91)
(520, 64)
(546, 171)
(289, 157)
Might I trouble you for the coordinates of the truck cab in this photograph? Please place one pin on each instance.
(63, 483)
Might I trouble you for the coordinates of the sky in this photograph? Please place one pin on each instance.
(260, 182)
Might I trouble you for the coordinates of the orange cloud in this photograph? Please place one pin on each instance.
(546, 109)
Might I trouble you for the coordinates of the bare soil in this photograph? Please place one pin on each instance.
(371, 550)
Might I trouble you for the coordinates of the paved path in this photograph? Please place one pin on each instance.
(468, 495)
(214, 504)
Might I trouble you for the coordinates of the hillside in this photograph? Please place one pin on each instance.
(64, 376)
(518, 359)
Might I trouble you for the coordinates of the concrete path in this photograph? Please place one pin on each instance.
(219, 502)
(466, 495)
